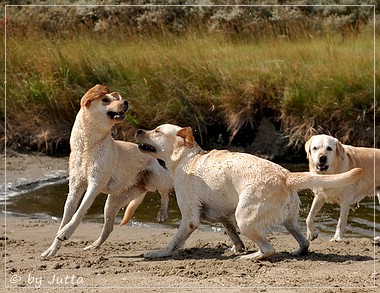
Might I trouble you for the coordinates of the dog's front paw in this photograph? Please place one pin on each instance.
(52, 250)
(157, 254)
(311, 235)
(92, 246)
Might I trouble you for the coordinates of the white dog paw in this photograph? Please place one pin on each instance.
(92, 246)
(50, 252)
(336, 239)
(156, 254)
(259, 255)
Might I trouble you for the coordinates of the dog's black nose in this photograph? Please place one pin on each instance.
(322, 159)
(125, 104)
(139, 131)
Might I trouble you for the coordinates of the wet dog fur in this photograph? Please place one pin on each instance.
(100, 164)
(236, 189)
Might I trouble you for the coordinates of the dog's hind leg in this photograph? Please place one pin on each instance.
(265, 248)
(112, 206)
(65, 232)
(292, 227)
(230, 227)
(162, 214)
(291, 224)
(253, 218)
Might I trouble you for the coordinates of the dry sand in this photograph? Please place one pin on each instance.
(203, 266)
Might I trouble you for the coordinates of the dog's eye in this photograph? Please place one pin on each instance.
(106, 101)
(329, 148)
(315, 148)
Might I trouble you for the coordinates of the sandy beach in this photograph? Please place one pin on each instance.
(203, 266)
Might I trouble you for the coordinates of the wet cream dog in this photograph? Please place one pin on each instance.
(232, 188)
(327, 155)
(100, 164)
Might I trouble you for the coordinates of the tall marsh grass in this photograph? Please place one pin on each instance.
(208, 81)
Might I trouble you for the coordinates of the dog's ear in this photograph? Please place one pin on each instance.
(116, 95)
(187, 134)
(307, 147)
(339, 149)
(93, 93)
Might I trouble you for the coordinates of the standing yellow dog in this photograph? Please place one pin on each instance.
(327, 155)
(100, 164)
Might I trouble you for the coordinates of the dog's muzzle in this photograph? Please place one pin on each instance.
(322, 167)
(322, 164)
(119, 116)
(143, 146)
(147, 148)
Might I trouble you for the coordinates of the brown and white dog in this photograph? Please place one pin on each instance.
(231, 188)
(327, 155)
(100, 164)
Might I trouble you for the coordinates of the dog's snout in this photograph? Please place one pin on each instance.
(139, 131)
(322, 159)
(125, 104)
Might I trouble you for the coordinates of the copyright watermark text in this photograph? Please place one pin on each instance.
(32, 280)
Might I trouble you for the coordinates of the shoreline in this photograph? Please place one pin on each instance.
(19, 170)
(203, 266)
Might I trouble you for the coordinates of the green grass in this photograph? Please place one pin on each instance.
(194, 80)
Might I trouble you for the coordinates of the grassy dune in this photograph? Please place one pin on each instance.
(208, 81)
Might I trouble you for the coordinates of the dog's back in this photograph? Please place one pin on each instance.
(369, 160)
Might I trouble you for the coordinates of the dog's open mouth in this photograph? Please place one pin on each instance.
(322, 167)
(116, 115)
(147, 148)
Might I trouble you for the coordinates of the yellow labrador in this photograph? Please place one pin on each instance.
(327, 155)
(100, 164)
(231, 188)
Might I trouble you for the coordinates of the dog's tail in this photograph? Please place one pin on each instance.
(304, 180)
(130, 210)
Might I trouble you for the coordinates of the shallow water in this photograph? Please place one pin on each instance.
(48, 201)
